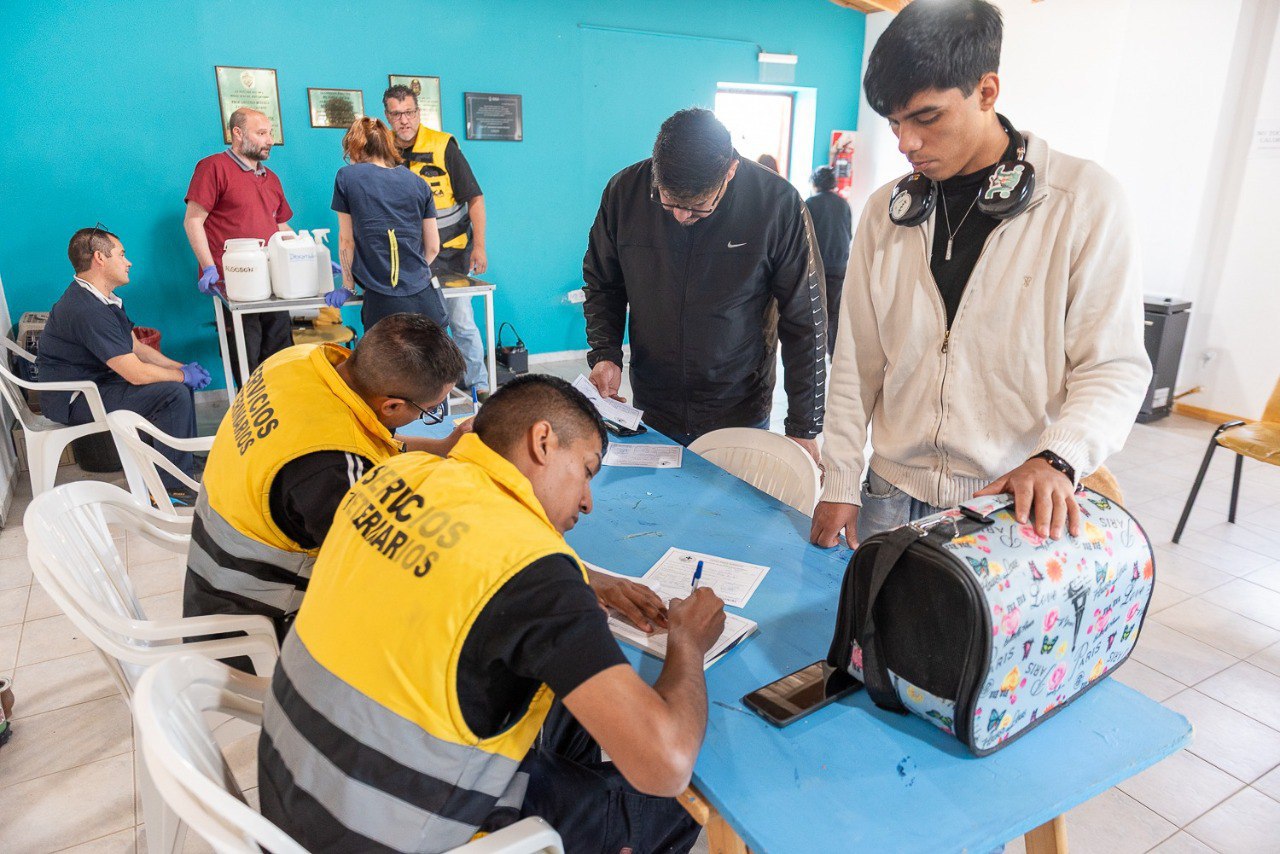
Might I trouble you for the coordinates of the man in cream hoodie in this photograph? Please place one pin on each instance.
(995, 345)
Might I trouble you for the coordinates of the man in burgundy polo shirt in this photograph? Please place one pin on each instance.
(233, 194)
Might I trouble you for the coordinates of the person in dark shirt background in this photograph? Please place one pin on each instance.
(833, 224)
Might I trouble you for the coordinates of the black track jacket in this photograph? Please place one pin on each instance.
(702, 301)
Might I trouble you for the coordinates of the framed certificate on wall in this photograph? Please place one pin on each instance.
(255, 88)
(428, 91)
(335, 108)
(494, 117)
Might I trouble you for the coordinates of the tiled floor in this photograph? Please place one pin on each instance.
(1211, 651)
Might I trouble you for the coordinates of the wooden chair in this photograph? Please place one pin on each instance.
(1259, 440)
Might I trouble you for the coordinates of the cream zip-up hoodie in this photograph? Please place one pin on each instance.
(1045, 352)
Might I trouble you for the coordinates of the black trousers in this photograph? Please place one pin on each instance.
(265, 335)
(589, 803)
(835, 288)
(169, 406)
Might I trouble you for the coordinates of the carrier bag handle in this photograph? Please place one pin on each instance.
(875, 674)
(505, 324)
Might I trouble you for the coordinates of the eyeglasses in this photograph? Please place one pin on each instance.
(657, 199)
(434, 415)
(402, 114)
(99, 230)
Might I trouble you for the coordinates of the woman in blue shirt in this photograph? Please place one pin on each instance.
(387, 234)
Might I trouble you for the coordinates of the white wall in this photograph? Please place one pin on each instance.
(1149, 89)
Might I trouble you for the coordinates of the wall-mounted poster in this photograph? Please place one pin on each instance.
(428, 91)
(255, 88)
(335, 108)
(495, 117)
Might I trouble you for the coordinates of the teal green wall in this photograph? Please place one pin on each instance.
(110, 105)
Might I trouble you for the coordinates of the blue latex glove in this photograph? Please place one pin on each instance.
(194, 376)
(208, 278)
(336, 267)
(336, 297)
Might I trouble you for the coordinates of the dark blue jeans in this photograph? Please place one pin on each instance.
(589, 803)
(170, 406)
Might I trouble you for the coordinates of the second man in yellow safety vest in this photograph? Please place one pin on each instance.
(460, 215)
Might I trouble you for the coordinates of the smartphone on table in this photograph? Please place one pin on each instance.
(618, 430)
(797, 694)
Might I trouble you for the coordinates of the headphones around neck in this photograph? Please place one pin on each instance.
(1008, 192)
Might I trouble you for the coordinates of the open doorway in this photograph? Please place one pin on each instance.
(759, 123)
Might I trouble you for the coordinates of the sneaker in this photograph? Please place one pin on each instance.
(182, 497)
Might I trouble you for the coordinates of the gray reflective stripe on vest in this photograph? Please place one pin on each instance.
(382, 729)
(450, 216)
(285, 597)
(514, 797)
(370, 812)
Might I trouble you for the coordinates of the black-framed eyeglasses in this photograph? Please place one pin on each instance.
(403, 114)
(657, 199)
(434, 415)
(98, 229)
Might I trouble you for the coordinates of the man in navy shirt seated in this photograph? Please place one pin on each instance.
(89, 337)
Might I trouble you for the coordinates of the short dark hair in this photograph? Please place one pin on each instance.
(823, 179)
(398, 91)
(933, 44)
(87, 241)
(405, 353)
(691, 154)
(507, 415)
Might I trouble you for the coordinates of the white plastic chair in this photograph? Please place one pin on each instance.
(193, 776)
(141, 461)
(75, 559)
(768, 461)
(46, 439)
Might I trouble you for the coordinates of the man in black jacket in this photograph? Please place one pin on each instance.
(715, 257)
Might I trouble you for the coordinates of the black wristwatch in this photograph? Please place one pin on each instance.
(1058, 463)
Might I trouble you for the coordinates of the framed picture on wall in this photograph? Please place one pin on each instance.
(428, 91)
(255, 88)
(494, 117)
(335, 108)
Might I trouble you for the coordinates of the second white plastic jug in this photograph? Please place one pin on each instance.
(293, 265)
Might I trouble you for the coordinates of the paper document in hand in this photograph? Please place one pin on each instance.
(732, 580)
(644, 456)
(736, 628)
(614, 410)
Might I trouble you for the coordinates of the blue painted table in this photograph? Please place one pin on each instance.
(849, 777)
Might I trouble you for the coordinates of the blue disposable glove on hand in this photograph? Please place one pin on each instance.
(208, 278)
(195, 377)
(336, 267)
(336, 297)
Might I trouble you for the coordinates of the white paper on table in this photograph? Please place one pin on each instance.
(614, 410)
(732, 580)
(736, 628)
(644, 456)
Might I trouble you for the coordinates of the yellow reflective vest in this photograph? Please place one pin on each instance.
(364, 713)
(426, 159)
(294, 404)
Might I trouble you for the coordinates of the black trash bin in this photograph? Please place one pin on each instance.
(1165, 320)
(96, 453)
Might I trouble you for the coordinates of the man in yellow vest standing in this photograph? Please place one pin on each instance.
(460, 216)
(308, 424)
(446, 615)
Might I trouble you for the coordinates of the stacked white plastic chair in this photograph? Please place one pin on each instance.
(76, 561)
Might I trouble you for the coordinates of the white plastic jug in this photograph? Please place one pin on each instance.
(324, 259)
(244, 270)
(293, 265)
